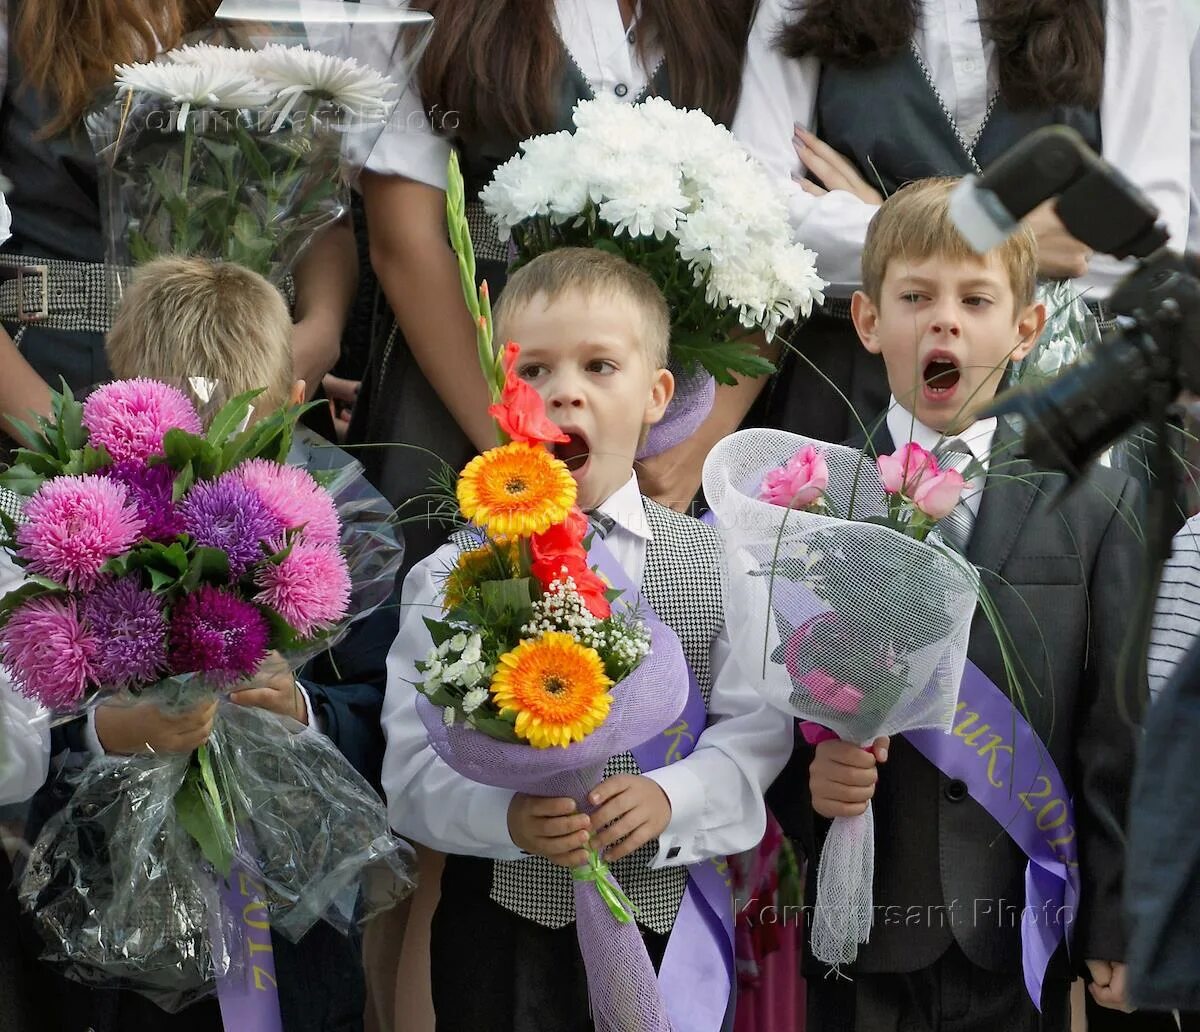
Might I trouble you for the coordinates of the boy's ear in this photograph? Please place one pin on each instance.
(1030, 323)
(865, 315)
(297, 395)
(662, 390)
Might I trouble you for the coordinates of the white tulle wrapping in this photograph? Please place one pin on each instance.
(881, 613)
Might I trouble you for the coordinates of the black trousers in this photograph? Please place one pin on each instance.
(494, 971)
(952, 995)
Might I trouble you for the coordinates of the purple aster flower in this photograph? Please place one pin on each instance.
(150, 491)
(131, 633)
(214, 632)
(225, 514)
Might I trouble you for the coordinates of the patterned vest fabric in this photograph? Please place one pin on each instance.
(682, 584)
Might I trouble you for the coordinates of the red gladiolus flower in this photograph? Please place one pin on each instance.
(521, 413)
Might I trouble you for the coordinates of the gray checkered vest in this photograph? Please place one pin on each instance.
(682, 584)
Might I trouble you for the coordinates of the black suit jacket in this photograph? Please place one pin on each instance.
(1063, 580)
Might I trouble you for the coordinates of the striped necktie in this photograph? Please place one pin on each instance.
(601, 523)
(955, 527)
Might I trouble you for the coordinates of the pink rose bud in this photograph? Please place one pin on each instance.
(936, 496)
(798, 484)
(902, 471)
(837, 695)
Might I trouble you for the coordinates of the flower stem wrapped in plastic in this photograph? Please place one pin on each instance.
(849, 612)
(245, 154)
(162, 566)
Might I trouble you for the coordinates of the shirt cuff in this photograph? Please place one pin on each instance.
(487, 817)
(90, 738)
(679, 843)
(315, 723)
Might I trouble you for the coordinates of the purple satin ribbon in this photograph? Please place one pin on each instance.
(696, 974)
(247, 992)
(1007, 770)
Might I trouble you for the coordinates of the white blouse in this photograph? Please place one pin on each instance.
(1144, 117)
(24, 726)
(595, 37)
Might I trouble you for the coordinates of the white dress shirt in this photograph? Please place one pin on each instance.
(24, 725)
(595, 38)
(1144, 117)
(977, 439)
(716, 793)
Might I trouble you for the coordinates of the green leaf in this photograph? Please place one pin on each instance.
(498, 728)
(70, 423)
(181, 448)
(95, 458)
(508, 601)
(183, 482)
(30, 436)
(442, 695)
(207, 565)
(253, 155)
(283, 635)
(440, 630)
(22, 480)
(198, 806)
(232, 417)
(161, 581)
(267, 438)
(720, 357)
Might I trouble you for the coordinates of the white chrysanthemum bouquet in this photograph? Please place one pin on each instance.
(674, 193)
(241, 155)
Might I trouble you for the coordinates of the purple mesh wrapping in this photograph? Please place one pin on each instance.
(693, 400)
(622, 985)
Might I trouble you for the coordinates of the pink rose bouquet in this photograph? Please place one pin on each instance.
(848, 611)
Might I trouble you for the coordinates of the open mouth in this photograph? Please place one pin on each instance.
(574, 452)
(941, 375)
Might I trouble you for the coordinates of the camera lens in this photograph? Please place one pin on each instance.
(1080, 413)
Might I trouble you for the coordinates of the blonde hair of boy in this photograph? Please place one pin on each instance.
(914, 224)
(183, 317)
(595, 273)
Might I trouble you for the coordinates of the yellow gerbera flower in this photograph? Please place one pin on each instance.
(557, 688)
(517, 490)
(495, 561)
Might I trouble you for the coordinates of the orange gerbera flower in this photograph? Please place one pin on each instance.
(556, 687)
(516, 490)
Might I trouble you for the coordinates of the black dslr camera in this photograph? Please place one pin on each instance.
(1139, 368)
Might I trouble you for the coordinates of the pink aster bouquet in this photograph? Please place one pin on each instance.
(860, 612)
(163, 563)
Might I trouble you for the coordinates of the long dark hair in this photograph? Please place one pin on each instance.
(68, 49)
(1048, 52)
(497, 63)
